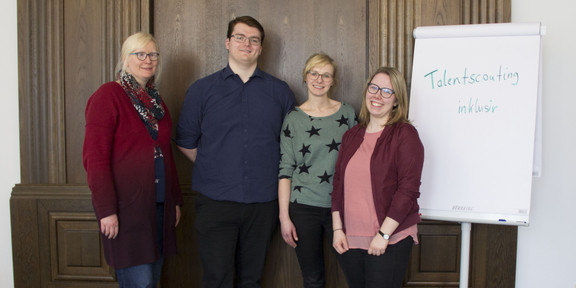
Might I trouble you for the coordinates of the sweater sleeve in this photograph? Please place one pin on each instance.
(287, 159)
(101, 118)
(409, 161)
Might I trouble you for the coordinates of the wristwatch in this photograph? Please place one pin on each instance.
(385, 236)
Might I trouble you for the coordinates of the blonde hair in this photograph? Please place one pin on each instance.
(134, 43)
(320, 59)
(400, 111)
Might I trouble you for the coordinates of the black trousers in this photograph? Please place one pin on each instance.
(313, 225)
(233, 240)
(385, 271)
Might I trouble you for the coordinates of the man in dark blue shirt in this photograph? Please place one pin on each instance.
(230, 127)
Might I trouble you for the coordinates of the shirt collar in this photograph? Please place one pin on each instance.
(227, 72)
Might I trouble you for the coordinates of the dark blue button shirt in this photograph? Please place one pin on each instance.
(236, 127)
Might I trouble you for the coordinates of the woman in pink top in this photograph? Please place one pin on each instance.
(376, 187)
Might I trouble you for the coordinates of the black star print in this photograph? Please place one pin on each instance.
(299, 188)
(342, 121)
(333, 146)
(287, 132)
(325, 177)
(304, 150)
(304, 168)
(314, 131)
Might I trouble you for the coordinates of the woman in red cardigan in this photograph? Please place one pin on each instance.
(131, 172)
(376, 187)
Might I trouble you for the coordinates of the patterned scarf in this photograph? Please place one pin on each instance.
(147, 102)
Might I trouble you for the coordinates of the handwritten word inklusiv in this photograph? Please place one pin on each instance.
(445, 79)
(474, 106)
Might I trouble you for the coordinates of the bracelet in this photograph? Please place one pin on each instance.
(337, 229)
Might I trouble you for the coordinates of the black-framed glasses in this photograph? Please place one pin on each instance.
(385, 92)
(241, 38)
(142, 55)
(313, 75)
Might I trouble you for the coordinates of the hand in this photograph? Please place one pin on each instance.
(289, 232)
(378, 245)
(109, 226)
(178, 214)
(340, 243)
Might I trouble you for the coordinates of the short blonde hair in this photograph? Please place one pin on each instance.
(320, 59)
(400, 112)
(134, 43)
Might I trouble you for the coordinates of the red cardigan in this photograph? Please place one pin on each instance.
(395, 168)
(119, 161)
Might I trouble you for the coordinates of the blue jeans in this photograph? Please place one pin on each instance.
(145, 275)
(140, 276)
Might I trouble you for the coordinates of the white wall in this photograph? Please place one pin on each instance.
(546, 249)
(10, 168)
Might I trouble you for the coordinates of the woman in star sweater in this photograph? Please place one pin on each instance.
(309, 143)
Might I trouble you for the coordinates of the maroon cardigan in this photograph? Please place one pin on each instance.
(119, 161)
(395, 168)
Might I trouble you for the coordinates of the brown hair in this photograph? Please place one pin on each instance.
(400, 111)
(248, 20)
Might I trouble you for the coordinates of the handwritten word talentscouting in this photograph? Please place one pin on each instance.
(444, 79)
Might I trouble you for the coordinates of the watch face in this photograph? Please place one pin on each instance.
(385, 236)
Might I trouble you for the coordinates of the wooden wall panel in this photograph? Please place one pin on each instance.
(493, 257)
(399, 18)
(76, 250)
(41, 109)
(68, 48)
(436, 260)
(25, 239)
(192, 34)
(45, 219)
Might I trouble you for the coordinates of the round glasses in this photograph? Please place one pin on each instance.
(385, 92)
(313, 75)
(241, 38)
(142, 55)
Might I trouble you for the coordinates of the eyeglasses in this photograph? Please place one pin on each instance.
(385, 92)
(241, 38)
(313, 75)
(142, 55)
